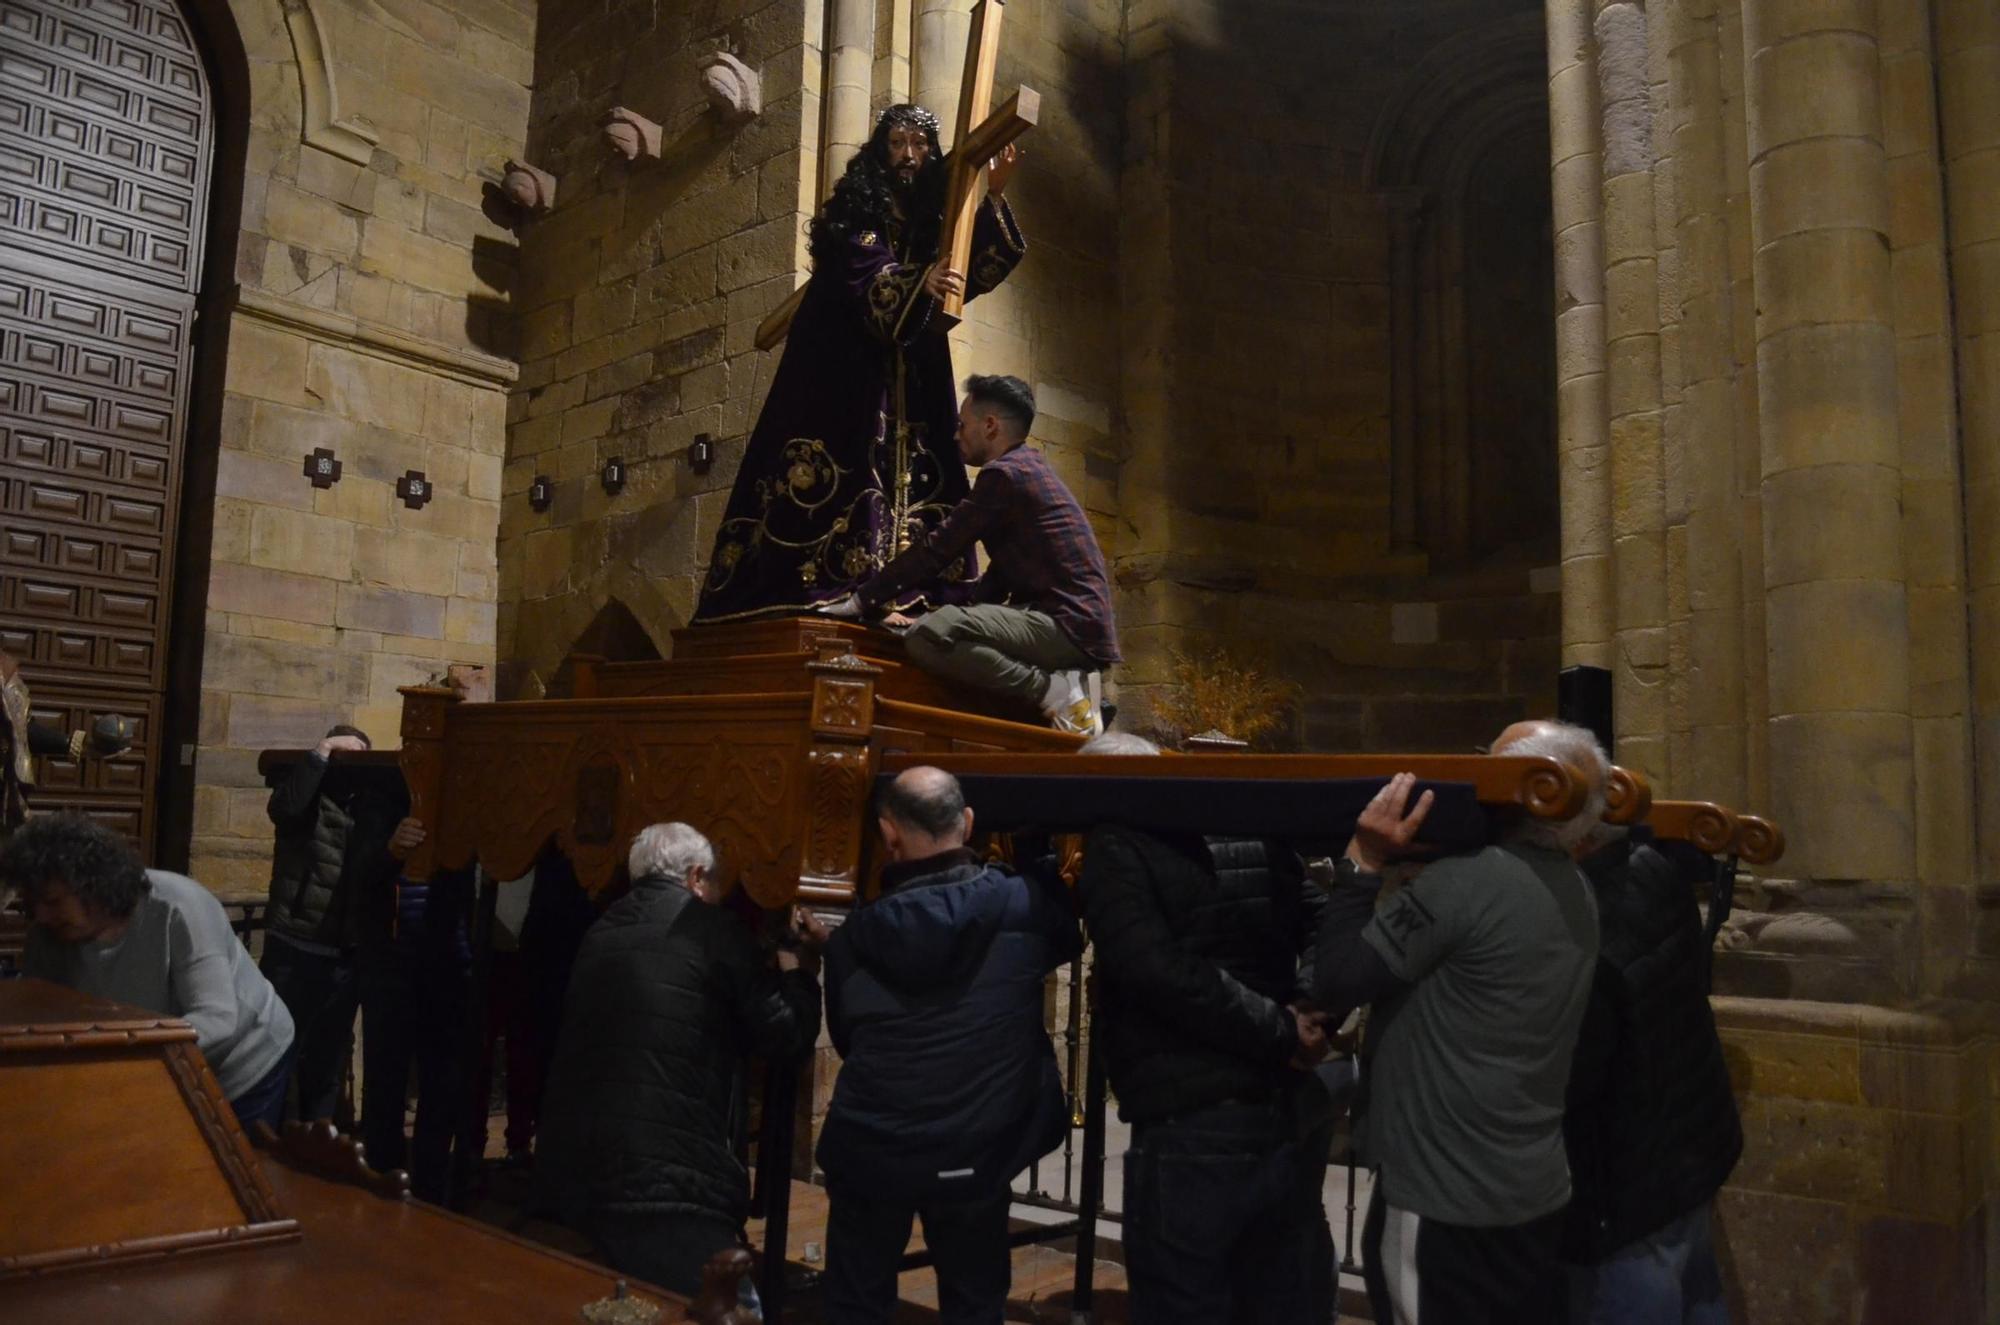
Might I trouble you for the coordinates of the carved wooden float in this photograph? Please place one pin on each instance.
(769, 737)
(763, 735)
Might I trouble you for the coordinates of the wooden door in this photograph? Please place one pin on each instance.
(105, 147)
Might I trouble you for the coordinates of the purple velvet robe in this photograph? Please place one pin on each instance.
(853, 454)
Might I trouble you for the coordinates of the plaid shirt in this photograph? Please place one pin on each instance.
(1040, 552)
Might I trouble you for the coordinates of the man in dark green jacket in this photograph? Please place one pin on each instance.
(331, 847)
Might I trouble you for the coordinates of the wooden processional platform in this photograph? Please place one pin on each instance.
(769, 737)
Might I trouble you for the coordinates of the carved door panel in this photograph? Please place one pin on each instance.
(105, 146)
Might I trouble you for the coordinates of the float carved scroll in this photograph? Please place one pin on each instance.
(843, 714)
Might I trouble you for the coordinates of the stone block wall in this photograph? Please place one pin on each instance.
(1258, 287)
(639, 296)
(1870, 1153)
(1779, 557)
(1777, 453)
(372, 321)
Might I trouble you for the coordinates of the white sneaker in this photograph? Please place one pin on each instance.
(1069, 705)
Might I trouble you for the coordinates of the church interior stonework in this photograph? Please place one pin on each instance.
(1402, 353)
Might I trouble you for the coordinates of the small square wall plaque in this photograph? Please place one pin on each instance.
(701, 453)
(322, 468)
(414, 489)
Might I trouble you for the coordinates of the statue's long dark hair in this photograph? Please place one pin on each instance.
(864, 198)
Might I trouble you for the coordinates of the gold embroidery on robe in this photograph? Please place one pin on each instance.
(889, 294)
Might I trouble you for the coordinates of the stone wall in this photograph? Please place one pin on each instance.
(639, 297)
(1864, 1193)
(1775, 535)
(1263, 468)
(372, 321)
(641, 292)
(1788, 532)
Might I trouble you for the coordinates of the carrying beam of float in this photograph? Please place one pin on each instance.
(1263, 795)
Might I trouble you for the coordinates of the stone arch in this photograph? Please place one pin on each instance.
(351, 137)
(1472, 418)
(615, 635)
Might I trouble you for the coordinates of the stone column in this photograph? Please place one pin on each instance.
(1154, 610)
(1712, 765)
(1632, 366)
(1968, 33)
(943, 27)
(1933, 503)
(850, 71)
(1747, 483)
(892, 70)
(1837, 614)
(1662, 20)
(1582, 441)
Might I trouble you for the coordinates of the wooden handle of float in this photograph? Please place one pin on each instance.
(1759, 841)
(1627, 796)
(1712, 828)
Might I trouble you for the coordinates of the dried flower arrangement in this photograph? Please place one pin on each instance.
(1217, 690)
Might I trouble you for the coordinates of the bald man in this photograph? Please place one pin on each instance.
(1479, 970)
(948, 1084)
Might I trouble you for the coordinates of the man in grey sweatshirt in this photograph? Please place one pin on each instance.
(105, 925)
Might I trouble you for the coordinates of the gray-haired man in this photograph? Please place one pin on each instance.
(1479, 970)
(669, 996)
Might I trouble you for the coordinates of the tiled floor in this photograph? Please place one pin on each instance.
(1044, 1275)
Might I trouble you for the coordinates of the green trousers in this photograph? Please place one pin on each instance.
(1009, 649)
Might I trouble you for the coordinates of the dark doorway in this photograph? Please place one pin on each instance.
(107, 147)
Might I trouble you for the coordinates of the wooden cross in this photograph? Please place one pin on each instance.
(981, 133)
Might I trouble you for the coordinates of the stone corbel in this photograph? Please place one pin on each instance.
(530, 190)
(351, 137)
(733, 87)
(631, 135)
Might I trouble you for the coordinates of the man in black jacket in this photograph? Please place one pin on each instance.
(1651, 1129)
(1204, 1037)
(668, 997)
(331, 847)
(948, 1084)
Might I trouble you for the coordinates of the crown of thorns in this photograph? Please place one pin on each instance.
(910, 116)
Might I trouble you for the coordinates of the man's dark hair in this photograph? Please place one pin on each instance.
(928, 800)
(865, 197)
(342, 729)
(1009, 397)
(81, 855)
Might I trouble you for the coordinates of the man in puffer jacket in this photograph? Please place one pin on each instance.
(1205, 1036)
(668, 998)
(948, 1084)
(330, 849)
(1651, 1125)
